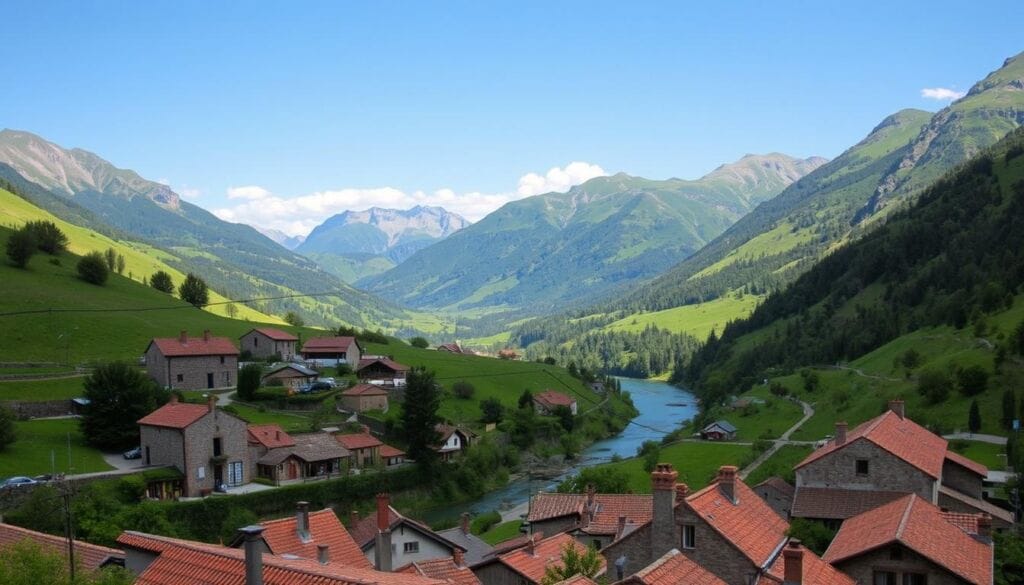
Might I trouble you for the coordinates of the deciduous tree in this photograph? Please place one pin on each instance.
(162, 282)
(20, 247)
(574, 562)
(119, 394)
(92, 268)
(48, 236)
(194, 291)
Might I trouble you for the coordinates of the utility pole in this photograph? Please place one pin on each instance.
(69, 529)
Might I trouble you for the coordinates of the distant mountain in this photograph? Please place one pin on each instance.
(235, 259)
(547, 251)
(357, 244)
(290, 242)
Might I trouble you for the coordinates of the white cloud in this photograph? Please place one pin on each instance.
(189, 193)
(942, 93)
(299, 215)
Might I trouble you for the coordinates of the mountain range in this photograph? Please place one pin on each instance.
(289, 242)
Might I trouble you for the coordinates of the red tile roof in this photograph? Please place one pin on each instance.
(837, 504)
(577, 579)
(513, 543)
(270, 436)
(637, 508)
(919, 526)
(386, 362)
(545, 506)
(194, 346)
(962, 520)
(327, 345)
(674, 568)
(552, 398)
(966, 463)
(980, 505)
(545, 553)
(175, 415)
(89, 556)
(365, 390)
(814, 571)
(282, 537)
(748, 523)
(355, 441)
(389, 451)
(182, 562)
(275, 334)
(900, 436)
(364, 531)
(443, 569)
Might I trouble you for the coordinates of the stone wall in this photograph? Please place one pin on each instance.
(498, 574)
(960, 479)
(712, 551)
(553, 526)
(776, 500)
(25, 410)
(862, 568)
(193, 370)
(162, 446)
(886, 472)
(635, 547)
(260, 345)
(199, 452)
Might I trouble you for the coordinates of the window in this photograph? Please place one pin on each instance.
(915, 579)
(222, 360)
(255, 341)
(181, 377)
(596, 544)
(227, 377)
(216, 446)
(862, 467)
(411, 547)
(689, 536)
(884, 578)
(235, 473)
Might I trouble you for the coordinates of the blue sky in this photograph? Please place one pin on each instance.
(374, 102)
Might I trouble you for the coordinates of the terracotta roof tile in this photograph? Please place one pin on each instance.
(389, 451)
(355, 441)
(545, 553)
(89, 556)
(980, 505)
(900, 436)
(365, 530)
(512, 544)
(749, 524)
(387, 362)
(674, 568)
(962, 520)
(270, 436)
(814, 571)
(577, 579)
(194, 346)
(966, 463)
(554, 505)
(327, 345)
(637, 508)
(282, 537)
(443, 569)
(365, 390)
(275, 334)
(175, 415)
(552, 398)
(919, 526)
(837, 504)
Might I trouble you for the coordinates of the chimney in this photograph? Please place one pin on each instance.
(253, 554)
(620, 527)
(682, 490)
(323, 554)
(464, 522)
(457, 557)
(985, 527)
(277, 435)
(663, 521)
(302, 521)
(365, 429)
(590, 497)
(211, 402)
(793, 563)
(174, 397)
(206, 335)
(727, 482)
(530, 550)
(183, 336)
(840, 433)
(382, 543)
(896, 406)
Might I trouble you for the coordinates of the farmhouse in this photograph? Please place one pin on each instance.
(453, 348)
(547, 401)
(332, 351)
(363, 448)
(208, 446)
(190, 363)
(391, 456)
(390, 539)
(453, 441)
(720, 430)
(265, 342)
(363, 397)
(310, 456)
(381, 370)
(290, 376)
(776, 493)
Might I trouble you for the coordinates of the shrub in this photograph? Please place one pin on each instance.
(491, 410)
(972, 380)
(249, 381)
(420, 342)
(48, 236)
(463, 389)
(8, 432)
(294, 319)
(485, 522)
(778, 389)
(92, 268)
(20, 247)
(911, 359)
(162, 282)
(934, 386)
(813, 534)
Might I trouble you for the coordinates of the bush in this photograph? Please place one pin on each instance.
(812, 534)
(485, 522)
(463, 389)
(20, 247)
(972, 380)
(934, 386)
(249, 381)
(48, 236)
(8, 432)
(778, 389)
(491, 410)
(294, 319)
(162, 282)
(911, 359)
(420, 342)
(92, 268)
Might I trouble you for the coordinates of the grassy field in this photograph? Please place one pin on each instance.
(989, 455)
(502, 532)
(696, 320)
(38, 439)
(780, 464)
(288, 421)
(697, 463)
(771, 243)
(763, 421)
(39, 390)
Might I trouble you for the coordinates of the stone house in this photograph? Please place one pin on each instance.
(593, 519)
(453, 441)
(309, 456)
(881, 460)
(911, 541)
(382, 371)
(777, 493)
(391, 540)
(526, 565)
(363, 397)
(547, 401)
(363, 448)
(265, 342)
(332, 351)
(291, 376)
(720, 430)
(208, 446)
(192, 363)
(453, 348)
(391, 456)
(310, 535)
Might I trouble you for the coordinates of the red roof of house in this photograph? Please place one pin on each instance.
(183, 562)
(389, 451)
(637, 508)
(275, 334)
(837, 504)
(443, 569)
(355, 441)
(919, 526)
(748, 522)
(813, 570)
(674, 568)
(270, 436)
(976, 504)
(577, 579)
(175, 415)
(553, 398)
(900, 436)
(452, 347)
(282, 537)
(545, 506)
(545, 552)
(89, 556)
(194, 346)
(386, 362)
(365, 390)
(327, 344)
(966, 463)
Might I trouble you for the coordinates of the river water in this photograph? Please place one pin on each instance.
(662, 407)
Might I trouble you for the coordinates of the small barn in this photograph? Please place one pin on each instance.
(720, 430)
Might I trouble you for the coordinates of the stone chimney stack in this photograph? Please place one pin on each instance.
(897, 406)
(727, 482)
(302, 521)
(206, 335)
(211, 402)
(530, 542)
(985, 527)
(382, 543)
(457, 557)
(323, 554)
(840, 433)
(793, 563)
(682, 490)
(253, 554)
(620, 527)
(464, 522)
(183, 336)
(663, 521)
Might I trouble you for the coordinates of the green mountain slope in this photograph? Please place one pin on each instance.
(234, 259)
(550, 250)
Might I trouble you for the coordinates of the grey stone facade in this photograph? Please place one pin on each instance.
(960, 479)
(262, 346)
(634, 550)
(777, 500)
(898, 559)
(192, 372)
(497, 573)
(885, 471)
(711, 550)
(553, 526)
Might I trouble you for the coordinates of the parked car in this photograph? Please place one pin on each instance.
(135, 453)
(314, 388)
(17, 481)
(329, 381)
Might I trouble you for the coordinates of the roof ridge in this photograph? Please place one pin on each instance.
(906, 516)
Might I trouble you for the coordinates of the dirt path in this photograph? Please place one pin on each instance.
(783, 440)
(993, 439)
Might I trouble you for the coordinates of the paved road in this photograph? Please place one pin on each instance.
(783, 440)
(993, 439)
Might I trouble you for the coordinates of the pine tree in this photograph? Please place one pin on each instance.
(419, 418)
(974, 418)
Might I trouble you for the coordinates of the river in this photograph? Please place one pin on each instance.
(662, 407)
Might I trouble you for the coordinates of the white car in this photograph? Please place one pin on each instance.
(17, 481)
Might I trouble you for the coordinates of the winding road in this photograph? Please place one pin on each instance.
(782, 440)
